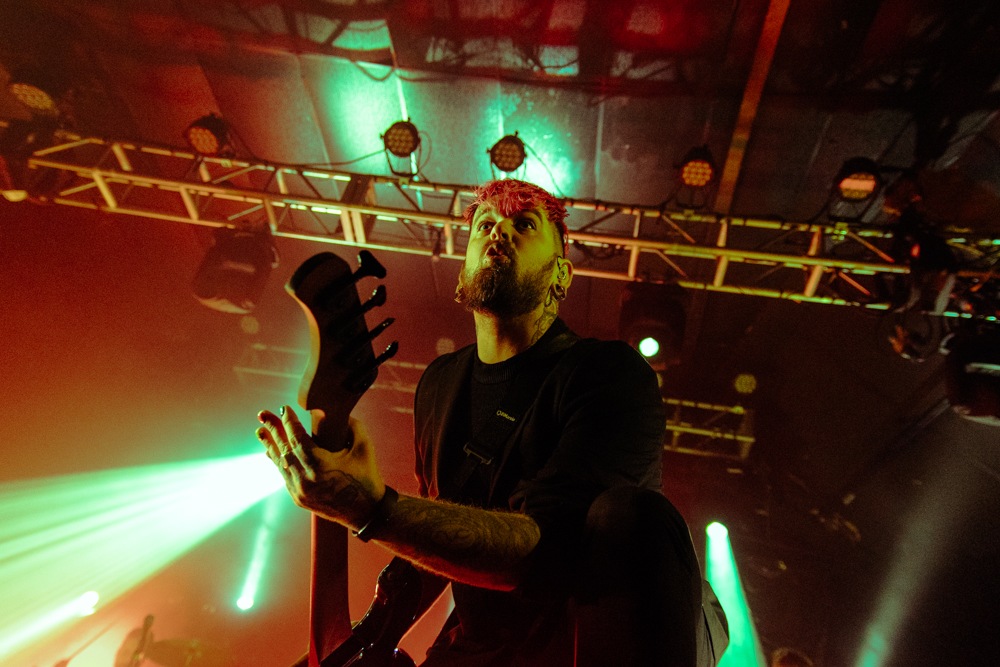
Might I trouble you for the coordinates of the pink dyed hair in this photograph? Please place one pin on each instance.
(511, 196)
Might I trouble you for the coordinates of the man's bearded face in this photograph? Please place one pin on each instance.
(499, 286)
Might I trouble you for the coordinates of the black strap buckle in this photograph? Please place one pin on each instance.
(484, 459)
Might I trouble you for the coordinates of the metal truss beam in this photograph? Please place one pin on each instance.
(835, 263)
(692, 427)
(710, 430)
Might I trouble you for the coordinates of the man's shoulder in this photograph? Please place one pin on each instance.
(593, 353)
(609, 351)
(445, 370)
(450, 361)
(594, 360)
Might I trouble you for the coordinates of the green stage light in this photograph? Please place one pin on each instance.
(110, 530)
(649, 347)
(744, 648)
(716, 531)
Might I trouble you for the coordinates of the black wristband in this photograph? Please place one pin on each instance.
(379, 516)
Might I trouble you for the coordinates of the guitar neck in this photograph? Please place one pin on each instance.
(341, 367)
(330, 434)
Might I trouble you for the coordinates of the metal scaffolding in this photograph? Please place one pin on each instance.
(834, 263)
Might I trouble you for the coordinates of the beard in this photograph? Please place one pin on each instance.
(497, 288)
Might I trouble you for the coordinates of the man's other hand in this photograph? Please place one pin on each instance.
(342, 486)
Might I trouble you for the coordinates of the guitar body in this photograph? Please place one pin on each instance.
(342, 366)
(393, 609)
(371, 659)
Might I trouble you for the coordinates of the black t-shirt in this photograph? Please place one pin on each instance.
(597, 422)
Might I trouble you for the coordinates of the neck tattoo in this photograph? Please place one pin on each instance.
(545, 320)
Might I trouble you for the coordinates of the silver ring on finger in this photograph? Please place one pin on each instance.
(288, 460)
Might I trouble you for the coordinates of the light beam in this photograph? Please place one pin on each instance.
(744, 648)
(108, 531)
(263, 542)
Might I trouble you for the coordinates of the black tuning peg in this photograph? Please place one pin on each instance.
(368, 266)
(389, 352)
(359, 381)
(337, 284)
(377, 299)
(363, 342)
(338, 328)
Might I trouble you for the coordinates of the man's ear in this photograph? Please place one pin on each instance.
(565, 271)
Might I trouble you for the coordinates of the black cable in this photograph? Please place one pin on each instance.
(552, 177)
(392, 70)
(337, 164)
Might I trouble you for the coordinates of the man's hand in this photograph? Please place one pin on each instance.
(486, 548)
(342, 486)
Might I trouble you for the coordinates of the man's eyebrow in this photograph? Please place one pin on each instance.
(480, 212)
(484, 210)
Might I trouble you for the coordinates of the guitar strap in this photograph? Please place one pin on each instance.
(487, 444)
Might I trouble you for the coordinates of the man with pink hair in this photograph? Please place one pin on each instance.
(538, 455)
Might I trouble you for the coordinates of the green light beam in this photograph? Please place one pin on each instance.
(263, 542)
(744, 648)
(405, 115)
(108, 531)
(82, 605)
(921, 551)
(358, 107)
(553, 166)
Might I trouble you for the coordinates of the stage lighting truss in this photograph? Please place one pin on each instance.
(706, 429)
(835, 263)
(508, 153)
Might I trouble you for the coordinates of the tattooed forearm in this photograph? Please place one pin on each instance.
(476, 546)
(341, 498)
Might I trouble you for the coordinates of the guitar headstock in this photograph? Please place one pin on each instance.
(342, 363)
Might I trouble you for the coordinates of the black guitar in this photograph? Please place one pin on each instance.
(373, 640)
(342, 366)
